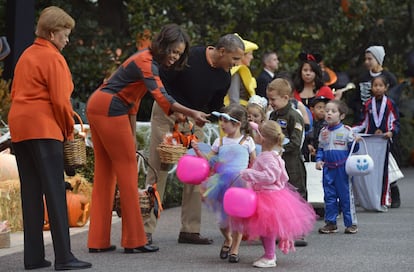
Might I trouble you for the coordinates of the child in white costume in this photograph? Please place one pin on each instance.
(232, 153)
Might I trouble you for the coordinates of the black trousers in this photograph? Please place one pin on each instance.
(40, 165)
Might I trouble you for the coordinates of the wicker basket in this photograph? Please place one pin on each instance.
(75, 151)
(147, 197)
(146, 203)
(5, 239)
(171, 153)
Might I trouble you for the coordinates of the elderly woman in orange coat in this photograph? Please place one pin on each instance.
(40, 119)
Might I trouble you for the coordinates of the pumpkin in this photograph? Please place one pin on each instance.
(8, 167)
(78, 210)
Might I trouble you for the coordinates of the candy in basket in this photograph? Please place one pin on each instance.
(176, 143)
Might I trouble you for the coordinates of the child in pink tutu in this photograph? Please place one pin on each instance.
(232, 153)
(281, 214)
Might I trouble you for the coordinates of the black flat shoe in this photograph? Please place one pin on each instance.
(100, 250)
(234, 258)
(142, 249)
(224, 252)
(301, 243)
(73, 265)
(43, 264)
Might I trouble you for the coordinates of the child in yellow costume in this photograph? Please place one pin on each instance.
(243, 84)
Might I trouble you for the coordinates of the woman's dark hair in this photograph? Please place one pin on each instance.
(298, 81)
(162, 45)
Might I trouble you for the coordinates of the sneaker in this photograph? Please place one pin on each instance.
(328, 228)
(351, 230)
(264, 263)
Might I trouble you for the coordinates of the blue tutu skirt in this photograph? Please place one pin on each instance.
(230, 161)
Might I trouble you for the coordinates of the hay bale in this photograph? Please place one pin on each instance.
(10, 201)
(10, 204)
(80, 186)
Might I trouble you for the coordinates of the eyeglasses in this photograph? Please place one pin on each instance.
(224, 116)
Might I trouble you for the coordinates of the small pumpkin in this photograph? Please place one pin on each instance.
(8, 167)
(78, 210)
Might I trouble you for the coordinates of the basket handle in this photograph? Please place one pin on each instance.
(353, 146)
(148, 164)
(77, 116)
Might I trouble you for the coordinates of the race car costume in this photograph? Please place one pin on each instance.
(334, 145)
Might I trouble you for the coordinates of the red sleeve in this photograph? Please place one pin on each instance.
(296, 95)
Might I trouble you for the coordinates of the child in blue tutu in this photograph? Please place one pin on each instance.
(281, 213)
(229, 155)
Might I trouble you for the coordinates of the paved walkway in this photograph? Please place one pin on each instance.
(385, 242)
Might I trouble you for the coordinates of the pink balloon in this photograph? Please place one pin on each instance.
(240, 202)
(192, 169)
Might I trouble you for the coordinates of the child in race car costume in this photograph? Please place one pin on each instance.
(335, 141)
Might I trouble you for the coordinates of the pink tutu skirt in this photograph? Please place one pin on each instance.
(283, 214)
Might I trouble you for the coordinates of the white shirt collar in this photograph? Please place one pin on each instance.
(269, 72)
